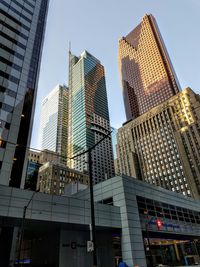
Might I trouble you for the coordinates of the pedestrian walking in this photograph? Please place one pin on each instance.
(122, 264)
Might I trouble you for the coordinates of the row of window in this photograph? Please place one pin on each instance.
(164, 210)
(7, 91)
(11, 64)
(3, 23)
(14, 20)
(12, 40)
(12, 52)
(9, 77)
(15, 11)
(23, 7)
(28, 3)
(6, 107)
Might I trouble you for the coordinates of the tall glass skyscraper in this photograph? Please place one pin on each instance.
(89, 116)
(147, 75)
(21, 40)
(54, 121)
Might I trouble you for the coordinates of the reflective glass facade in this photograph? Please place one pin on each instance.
(88, 116)
(147, 75)
(54, 121)
(22, 26)
(32, 175)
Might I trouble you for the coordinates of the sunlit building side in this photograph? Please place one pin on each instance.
(147, 75)
(54, 122)
(162, 146)
(22, 34)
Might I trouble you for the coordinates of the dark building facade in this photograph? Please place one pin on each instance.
(21, 40)
(126, 214)
(147, 74)
(32, 175)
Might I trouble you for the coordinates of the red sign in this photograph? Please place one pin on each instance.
(159, 224)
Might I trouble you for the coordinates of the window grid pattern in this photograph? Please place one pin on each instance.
(53, 178)
(147, 76)
(164, 145)
(167, 211)
(88, 116)
(22, 31)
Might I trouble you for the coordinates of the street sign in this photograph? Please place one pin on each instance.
(90, 246)
(159, 224)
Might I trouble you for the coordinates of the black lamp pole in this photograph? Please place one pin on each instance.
(22, 226)
(89, 151)
(92, 209)
(149, 243)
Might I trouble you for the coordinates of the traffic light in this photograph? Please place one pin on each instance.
(159, 224)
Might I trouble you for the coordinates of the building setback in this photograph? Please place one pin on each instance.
(54, 121)
(89, 116)
(22, 34)
(162, 146)
(147, 74)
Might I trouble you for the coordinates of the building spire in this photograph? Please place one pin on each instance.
(69, 47)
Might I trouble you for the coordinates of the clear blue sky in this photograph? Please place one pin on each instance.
(97, 25)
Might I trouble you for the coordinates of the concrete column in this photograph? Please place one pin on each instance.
(177, 252)
(133, 252)
(13, 246)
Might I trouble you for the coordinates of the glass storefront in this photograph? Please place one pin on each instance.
(172, 242)
(172, 252)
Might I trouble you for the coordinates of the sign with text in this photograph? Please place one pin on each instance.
(90, 246)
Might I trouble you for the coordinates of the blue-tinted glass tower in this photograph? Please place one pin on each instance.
(89, 116)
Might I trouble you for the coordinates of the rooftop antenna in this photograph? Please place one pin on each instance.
(69, 65)
(69, 47)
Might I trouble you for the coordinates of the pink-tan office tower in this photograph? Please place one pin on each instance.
(147, 75)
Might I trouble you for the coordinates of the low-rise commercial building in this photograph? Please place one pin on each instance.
(36, 159)
(53, 178)
(127, 212)
(45, 171)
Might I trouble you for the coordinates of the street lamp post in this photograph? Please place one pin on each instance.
(159, 226)
(93, 227)
(149, 243)
(22, 226)
(92, 209)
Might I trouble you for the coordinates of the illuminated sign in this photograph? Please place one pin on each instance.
(159, 224)
(23, 261)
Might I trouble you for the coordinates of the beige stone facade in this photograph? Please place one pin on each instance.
(34, 156)
(162, 146)
(43, 156)
(51, 174)
(52, 178)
